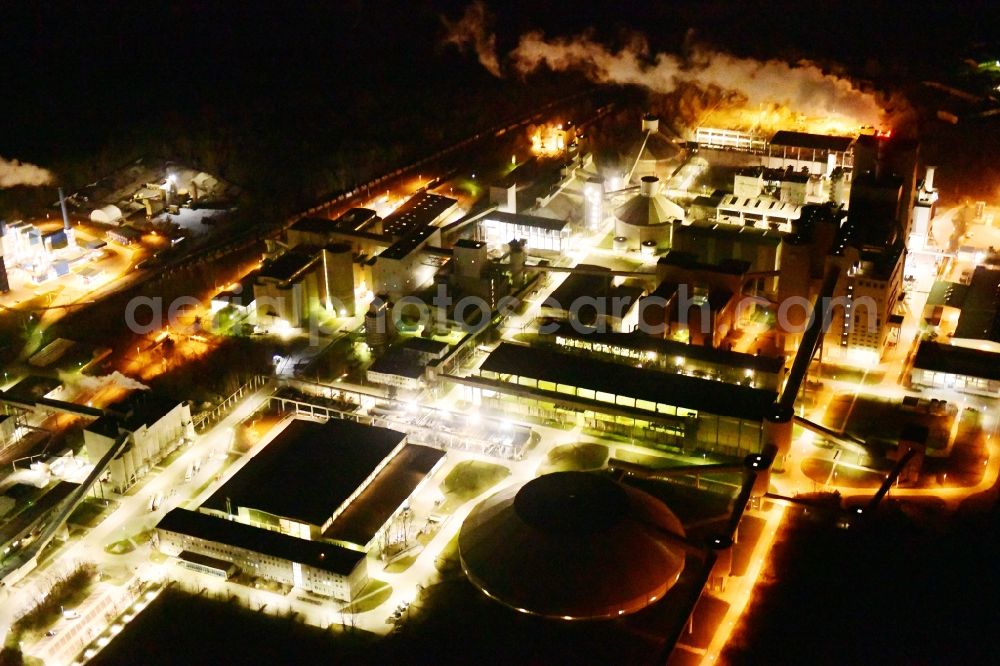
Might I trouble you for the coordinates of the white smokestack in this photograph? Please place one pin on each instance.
(831, 164)
(649, 185)
(14, 173)
(929, 179)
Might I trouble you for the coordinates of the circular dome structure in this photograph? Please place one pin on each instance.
(647, 216)
(110, 214)
(572, 545)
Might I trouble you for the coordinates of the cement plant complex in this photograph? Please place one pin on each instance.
(564, 381)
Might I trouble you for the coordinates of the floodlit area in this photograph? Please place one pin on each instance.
(571, 388)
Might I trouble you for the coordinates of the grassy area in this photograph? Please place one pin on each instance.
(401, 565)
(572, 457)
(128, 544)
(120, 547)
(375, 593)
(447, 561)
(468, 479)
(89, 513)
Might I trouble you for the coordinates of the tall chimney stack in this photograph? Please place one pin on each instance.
(62, 205)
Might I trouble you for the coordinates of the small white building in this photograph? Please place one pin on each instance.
(110, 214)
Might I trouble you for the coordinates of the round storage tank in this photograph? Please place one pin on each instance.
(648, 248)
(572, 546)
(647, 216)
(619, 243)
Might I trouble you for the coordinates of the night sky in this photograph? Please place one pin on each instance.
(77, 73)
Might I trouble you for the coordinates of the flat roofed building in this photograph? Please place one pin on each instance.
(979, 322)
(370, 516)
(759, 212)
(314, 566)
(398, 368)
(300, 482)
(589, 299)
(815, 152)
(283, 287)
(729, 139)
(421, 210)
(400, 269)
(539, 233)
(960, 368)
(124, 235)
(238, 295)
(711, 242)
(732, 367)
(683, 411)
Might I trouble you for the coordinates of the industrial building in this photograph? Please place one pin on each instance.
(714, 138)
(287, 289)
(402, 268)
(641, 350)
(572, 546)
(590, 298)
(306, 476)
(968, 314)
(979, 322)
(154, 426)
(760, 212)
(811, 153)
(790, 186)
(672, 409)
(472, 273)
(403, 365)
(337, 478)
(964, 369)
(42, 255)
(210, 544)
(923, 213)
(711, 242)
(695, 302)
(654, 154)
(870, 251)
(538, 233)
(367, 518)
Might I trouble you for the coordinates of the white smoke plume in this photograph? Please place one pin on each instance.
(802, 86)
(472, 30)
(96, 383)
(14, 173)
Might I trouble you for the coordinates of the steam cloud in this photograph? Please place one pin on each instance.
(86, 382)
(472, 30)
(14, 173)
(802, 85)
